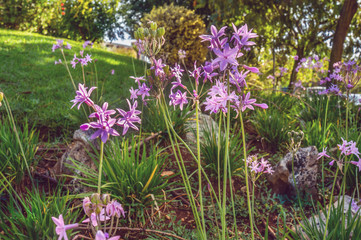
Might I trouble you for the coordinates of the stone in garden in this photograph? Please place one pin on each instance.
(206, 123)
(306, 171)
(78, 150)
(321, 219)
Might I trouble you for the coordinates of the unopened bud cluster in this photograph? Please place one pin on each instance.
(149, 40)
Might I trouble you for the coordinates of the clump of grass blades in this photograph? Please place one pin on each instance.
(12, 162)
(210, 150)
(131, 174)
(30, 218)
(273, 127)
(153, 119)
(340, 226)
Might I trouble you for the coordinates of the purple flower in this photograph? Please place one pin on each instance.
(158, 67)
(214, 38)
(58, 62)
(358, 164)
(138, 79)
(283, 70)
(129, 118)
(133, 93)
(208, 73)
(82, 96)
(102, 110)
(218, 97)
(112, 72)
(295, 58)
(104, 236)
(354, 206)
(93, 218)
(245, 34)
(104, 125)
(225, 57)
(60, 45)
(178, 98)
(114, 208)
(238, 78)
(252, 69)
(182, 54)
(249, 103)
(61, 228)
(87, 206)
(196, 72)
(323, 154)
(270, 77)
(177, 71)
(143, 91)
(87, 43)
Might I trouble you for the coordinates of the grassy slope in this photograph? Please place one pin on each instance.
(41, 91)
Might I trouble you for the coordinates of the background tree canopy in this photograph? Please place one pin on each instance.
(328, 28)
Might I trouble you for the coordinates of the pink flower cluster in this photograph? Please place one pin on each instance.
(60, 45)
(258, 166)
(347, 149)
(99, 209)
(105, 122)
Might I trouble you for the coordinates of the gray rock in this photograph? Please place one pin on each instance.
(306, 171)
(79, 151)
(206, 123)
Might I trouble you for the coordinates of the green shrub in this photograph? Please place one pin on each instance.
(182, 30)
(83, 19)
(273, 127)
(313, 134)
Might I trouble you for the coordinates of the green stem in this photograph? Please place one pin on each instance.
(67, 68)
(200, 189)
(329, 207)
(246, 175)
(323, 145)
(218, 154)
(100, 165)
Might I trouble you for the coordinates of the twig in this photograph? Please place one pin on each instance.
(182, 198)
(149, 231)
(80, 236)
(145, 140)
(269, 229)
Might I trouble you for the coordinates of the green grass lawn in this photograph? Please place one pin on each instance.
(41, 91)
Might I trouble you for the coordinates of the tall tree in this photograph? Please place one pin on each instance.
(348, 11)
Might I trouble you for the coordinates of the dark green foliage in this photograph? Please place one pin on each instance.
(78, 20)
(12, 162)
(182, 30)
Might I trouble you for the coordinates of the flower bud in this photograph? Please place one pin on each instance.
(146, 32)
(160, 32)
(153, 26)
(106, 199)
(1, 97)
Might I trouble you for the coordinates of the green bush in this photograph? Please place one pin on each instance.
(74, 19)
(182, 30)
(273, 127)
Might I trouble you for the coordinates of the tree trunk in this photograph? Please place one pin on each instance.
(300, 54)
(348, 10)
